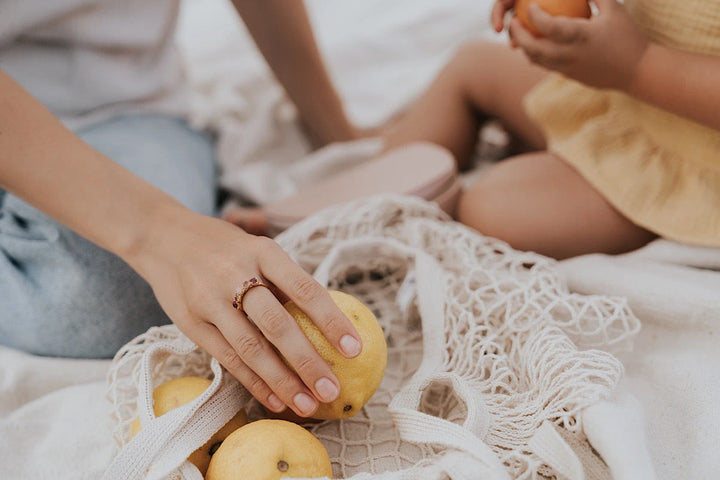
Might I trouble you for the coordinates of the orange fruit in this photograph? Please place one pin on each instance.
(561, 8)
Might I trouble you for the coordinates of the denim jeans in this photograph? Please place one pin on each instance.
(61, 295)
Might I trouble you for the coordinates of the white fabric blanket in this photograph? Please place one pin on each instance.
(54, 419)
(675, 291)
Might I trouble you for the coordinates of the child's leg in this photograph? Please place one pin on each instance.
(483, 79)
(534, 202)
(538, 202)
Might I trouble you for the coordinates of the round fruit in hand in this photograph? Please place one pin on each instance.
(270, 450)
(175, 393)
(562, 8)
(360, 376)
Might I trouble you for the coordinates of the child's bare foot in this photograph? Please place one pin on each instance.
(251, 219)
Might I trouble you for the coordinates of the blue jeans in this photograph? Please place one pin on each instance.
(61, 295)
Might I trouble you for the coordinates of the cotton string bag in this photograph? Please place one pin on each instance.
(491, 360)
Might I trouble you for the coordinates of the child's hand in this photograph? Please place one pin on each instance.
(497, 17)
(602, 51)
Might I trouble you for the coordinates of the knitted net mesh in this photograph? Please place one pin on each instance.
(511, 330)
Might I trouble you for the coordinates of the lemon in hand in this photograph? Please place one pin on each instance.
(360, 376)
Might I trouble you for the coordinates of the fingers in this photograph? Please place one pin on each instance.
(538, 50)
(250, 351)
(282, 330)
(543, 51)
(497, 17)
(312, 299)
(214, 342)
(248, 348)
(558, 29)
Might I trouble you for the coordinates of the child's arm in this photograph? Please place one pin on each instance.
(283, 34)
(683, 83)
(609, 51)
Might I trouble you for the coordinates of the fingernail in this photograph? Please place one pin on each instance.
(304, 403)
(350, 346)
(327, 389)
(276, 405)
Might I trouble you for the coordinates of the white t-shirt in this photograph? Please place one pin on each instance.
(88, 59)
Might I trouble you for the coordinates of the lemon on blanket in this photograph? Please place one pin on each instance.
(177, 392)
(270, 450)
(360, 376)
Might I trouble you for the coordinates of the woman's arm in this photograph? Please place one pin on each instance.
(281, 29)
(609, 51)
(49, 167)
(193, 263)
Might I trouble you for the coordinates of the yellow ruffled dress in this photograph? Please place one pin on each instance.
(660, 170)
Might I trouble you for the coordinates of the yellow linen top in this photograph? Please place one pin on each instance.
(658, 169)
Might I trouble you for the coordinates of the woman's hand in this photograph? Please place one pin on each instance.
(603, 51)
(195, 263)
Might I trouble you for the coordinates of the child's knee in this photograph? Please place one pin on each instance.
(482, 208)
(475, 209)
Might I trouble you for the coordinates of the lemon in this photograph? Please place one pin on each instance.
(360, 376)
(177, 392)
(269, 450)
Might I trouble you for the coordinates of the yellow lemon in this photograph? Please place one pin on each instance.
(177, 392)
(269, 450)
(360, 376)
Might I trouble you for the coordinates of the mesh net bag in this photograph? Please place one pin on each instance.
(486, 350)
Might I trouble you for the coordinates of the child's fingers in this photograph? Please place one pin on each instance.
(558, 29)
(497, 17)
(540, 51)
(511, 33)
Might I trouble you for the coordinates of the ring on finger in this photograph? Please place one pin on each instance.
(246, 286)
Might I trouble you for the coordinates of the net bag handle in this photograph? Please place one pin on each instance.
(165, 442)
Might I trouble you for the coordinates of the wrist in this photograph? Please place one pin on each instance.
(644, 69)
(148, 235)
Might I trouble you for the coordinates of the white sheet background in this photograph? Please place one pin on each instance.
(54, 420)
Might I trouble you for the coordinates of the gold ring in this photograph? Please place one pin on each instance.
(243, 289)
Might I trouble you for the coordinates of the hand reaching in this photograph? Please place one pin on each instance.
(195, 264)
